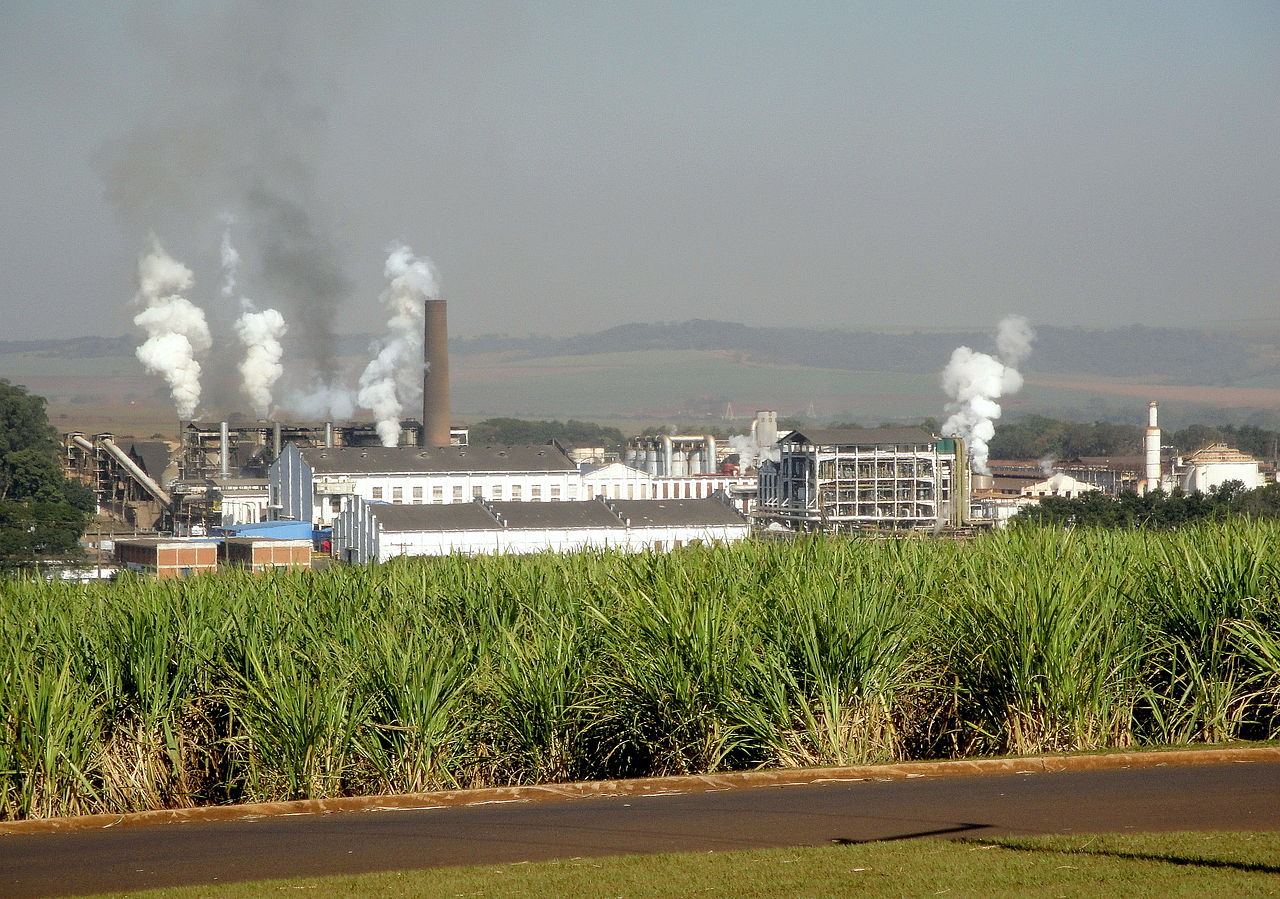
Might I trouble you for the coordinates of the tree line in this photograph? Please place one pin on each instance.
(1157, 509)
(1038, 436)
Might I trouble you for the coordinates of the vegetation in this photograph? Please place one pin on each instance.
(1156, 509)
(1037, 437)
(1156, 864)
(1182, 355)
(573, 433)
(42, 514)
(459, 672)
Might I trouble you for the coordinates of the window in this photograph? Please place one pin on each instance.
(497, 491)
(555, 494)
(437, 494)
(535, 493)
(417, 494)
(397, 494)
(516, 491)
(477, 492)
(573, 492)
(377, 493)
(457, 494)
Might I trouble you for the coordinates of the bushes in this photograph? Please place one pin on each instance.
(444, 673)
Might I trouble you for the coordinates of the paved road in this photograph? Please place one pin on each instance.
(1238, 796)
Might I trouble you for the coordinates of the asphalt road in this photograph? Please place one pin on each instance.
(1235, 796)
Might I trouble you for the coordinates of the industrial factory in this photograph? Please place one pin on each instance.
(266, 493)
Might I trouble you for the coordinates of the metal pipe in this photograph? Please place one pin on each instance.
(435, 375)
(275, 439)
(130, 466)
(709, 454)
(224, 449)
(666, 455)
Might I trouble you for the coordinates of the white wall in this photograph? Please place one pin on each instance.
(358, 538)
(1206, 477)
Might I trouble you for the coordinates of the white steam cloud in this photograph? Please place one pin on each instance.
(750, 453)
(176, 328)
(394, 376)
(259, 333)
(974, 381)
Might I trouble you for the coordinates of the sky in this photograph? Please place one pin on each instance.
(573, 166)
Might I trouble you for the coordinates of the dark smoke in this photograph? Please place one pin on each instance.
(237, 128)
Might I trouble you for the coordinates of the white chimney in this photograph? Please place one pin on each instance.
(1152, 443)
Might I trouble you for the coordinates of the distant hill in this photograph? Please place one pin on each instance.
(1180, 355)
(1173, 355)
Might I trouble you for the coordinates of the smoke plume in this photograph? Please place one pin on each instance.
(750, 453)
(238, 121)
(259, 333)
(394, 376)
(176, 328)
(974, 381)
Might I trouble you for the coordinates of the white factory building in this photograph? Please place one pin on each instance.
(315, 483)
(1214, 465)
(617, 480)
(873, 478)
(368, 532)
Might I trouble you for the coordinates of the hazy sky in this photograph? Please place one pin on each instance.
(569, 166)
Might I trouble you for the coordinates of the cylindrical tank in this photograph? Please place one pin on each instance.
(695, 462)
(667, 453)
(651, 461)
(708, 454)
(679, 464)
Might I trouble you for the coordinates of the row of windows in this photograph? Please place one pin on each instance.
(497, 492)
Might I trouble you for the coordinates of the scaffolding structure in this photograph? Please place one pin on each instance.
(881, 479)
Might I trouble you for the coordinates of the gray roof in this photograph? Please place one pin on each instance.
(455, 517)
(413, 459)
(859, 436)
(668, 512)
(575, 514)
(474, 516)
(152, 455)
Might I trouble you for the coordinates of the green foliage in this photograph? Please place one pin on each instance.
(423, 674)
(41, 513)
(573, 433)
(1156, 509)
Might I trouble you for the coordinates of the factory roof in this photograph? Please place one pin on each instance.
(859, 436)
(674, 512)
(414, 459)
(151, 455)
(1220, 454)
(539, 516)
(455, 517)
(594, 514)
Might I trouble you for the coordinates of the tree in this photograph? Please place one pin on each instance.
(42, 514)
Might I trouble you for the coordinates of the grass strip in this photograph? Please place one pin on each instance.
(1159, 864)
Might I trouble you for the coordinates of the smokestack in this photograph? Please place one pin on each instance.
(328, 433)
(1152, 443)
(435, 376)
(275, 439)
(224, 454)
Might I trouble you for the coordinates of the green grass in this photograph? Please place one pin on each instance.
(1170, 864)
(424, 674)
